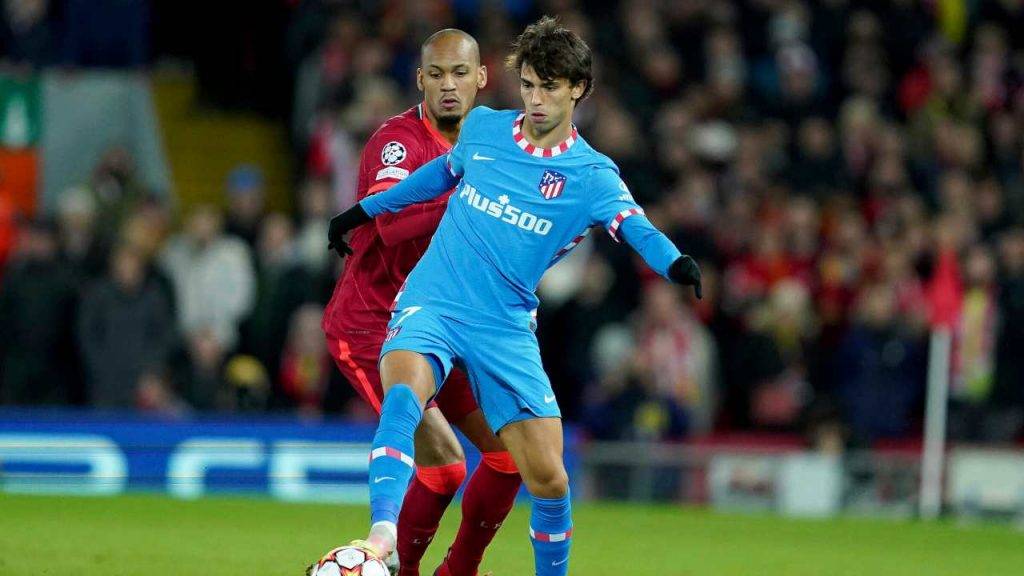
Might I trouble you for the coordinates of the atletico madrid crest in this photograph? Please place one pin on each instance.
(551, 184)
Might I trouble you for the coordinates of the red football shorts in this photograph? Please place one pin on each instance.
(357, 360)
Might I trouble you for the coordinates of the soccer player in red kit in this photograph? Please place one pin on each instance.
(356, 318)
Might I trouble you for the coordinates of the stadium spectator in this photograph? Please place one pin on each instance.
(38, 357)
(880, 370)
(27, 32)
(213, 279)
(816, 169)
(245, 203)
(282, 286)
(689, 210)
(147, 227)
(80, 245)
(315, 211)
(125, 331)
(771, 367)
(624, 402)
(117, 192)
(305, 367)
(567, 333)
(678, 356)
(200, 374)
(796, 88)
(973, 416)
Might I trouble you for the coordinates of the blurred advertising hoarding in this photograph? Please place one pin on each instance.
(794, 481)
(104, 454)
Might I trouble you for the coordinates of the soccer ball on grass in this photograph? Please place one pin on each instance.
(349, 561)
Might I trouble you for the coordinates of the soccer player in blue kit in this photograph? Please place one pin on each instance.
(528, 188)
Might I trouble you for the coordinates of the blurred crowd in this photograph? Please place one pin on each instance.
(104, 304)
(73, 33)
(847, 173)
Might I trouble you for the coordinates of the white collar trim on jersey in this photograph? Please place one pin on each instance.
(517, 135)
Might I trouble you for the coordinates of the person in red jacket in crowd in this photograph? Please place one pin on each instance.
(355, 320)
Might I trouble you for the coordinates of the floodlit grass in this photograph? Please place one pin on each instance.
(157, 536)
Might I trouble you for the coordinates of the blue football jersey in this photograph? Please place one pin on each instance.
(516, 211)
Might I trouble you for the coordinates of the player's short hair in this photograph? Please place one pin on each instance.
(446, 32)
(553, 52)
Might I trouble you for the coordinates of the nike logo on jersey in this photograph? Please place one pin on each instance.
(477, 156)
(380, 479)
(406, 313)
(559, 562)
(549, 399)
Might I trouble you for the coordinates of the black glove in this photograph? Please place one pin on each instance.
(341, 224)
(686, 272)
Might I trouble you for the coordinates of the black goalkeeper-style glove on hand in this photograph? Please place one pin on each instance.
(686, 272)
(341, 224)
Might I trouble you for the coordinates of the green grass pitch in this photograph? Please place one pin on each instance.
(150, 535)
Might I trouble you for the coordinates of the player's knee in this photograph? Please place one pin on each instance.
(549, 482)
(436, 443)
(437, 451)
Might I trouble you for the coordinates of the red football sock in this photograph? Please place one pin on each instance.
(488, 499)
(430, 493)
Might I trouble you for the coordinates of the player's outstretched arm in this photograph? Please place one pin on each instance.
(615, 209)
(426, 183)
(660, 253)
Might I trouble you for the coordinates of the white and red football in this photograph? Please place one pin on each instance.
(349, 561)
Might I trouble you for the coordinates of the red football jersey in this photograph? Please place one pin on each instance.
(385, 251)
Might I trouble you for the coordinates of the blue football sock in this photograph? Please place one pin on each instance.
(391, 459)
(551, 533)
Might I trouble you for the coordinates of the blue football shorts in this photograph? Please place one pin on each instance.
(501, 360)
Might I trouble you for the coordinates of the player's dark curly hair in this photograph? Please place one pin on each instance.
(553, 52)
